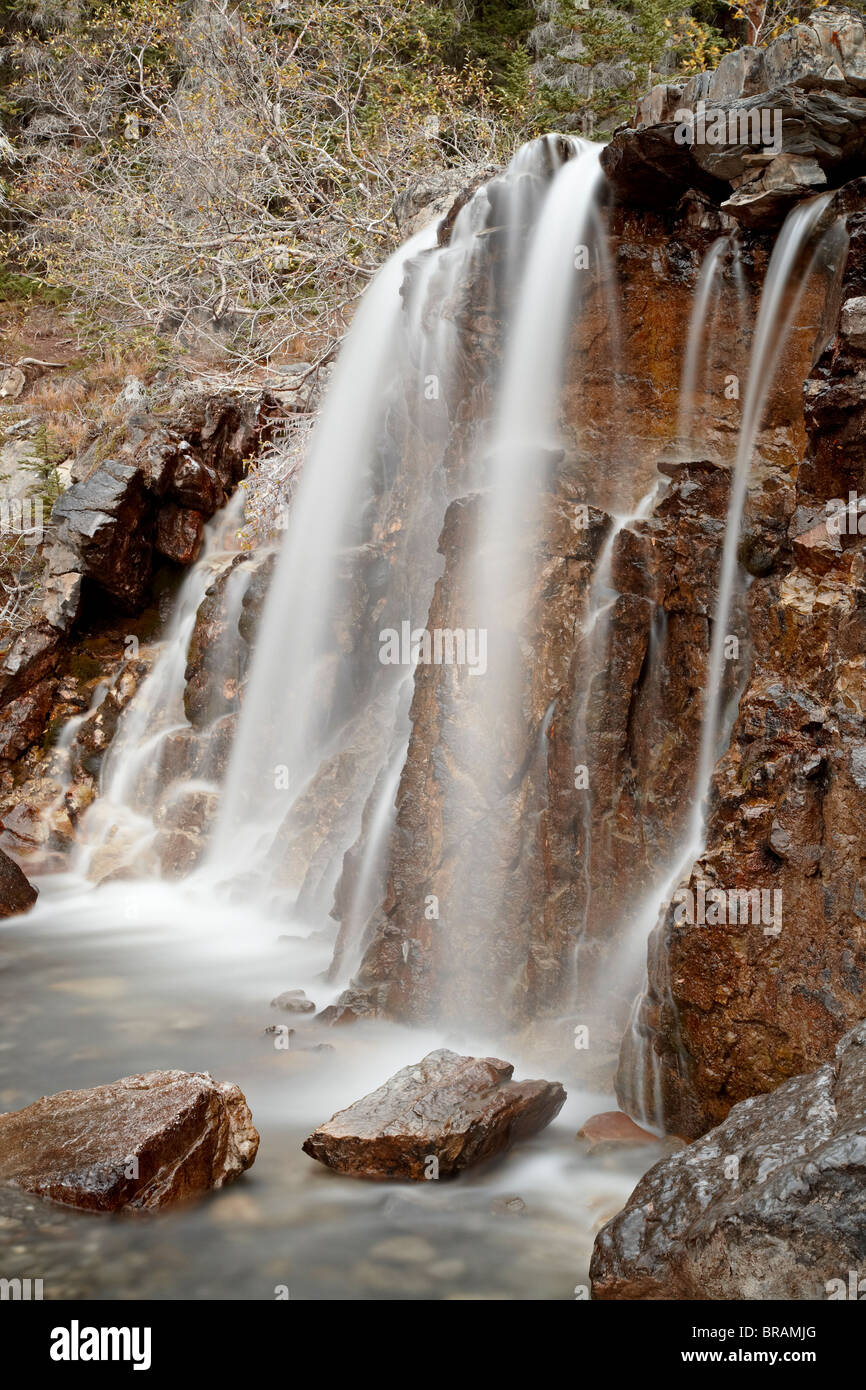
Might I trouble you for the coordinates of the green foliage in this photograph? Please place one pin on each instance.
(48, 453)
(17, 288)
(492, 34)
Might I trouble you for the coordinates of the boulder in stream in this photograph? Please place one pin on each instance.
(139, 1144)
(432, 1119)
(771, 1204)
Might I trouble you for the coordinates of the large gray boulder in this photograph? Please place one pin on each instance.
(103, 521)
(771, 1204)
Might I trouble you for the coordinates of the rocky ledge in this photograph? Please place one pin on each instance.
(771, 1204)
(432, 1119)
(767, 128)
(138, 1144)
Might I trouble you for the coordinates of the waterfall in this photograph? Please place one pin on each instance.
(289, 726)
(780, 300)
(313, 803)
(516, 466)
(696, 339)
(119, 825)
(286, 723)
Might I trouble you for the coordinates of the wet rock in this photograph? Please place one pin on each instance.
(190, 809)
(559, 846)
(818, 549)
(197, 486)
(178, 851)
(63, 589)
(139, 1144)
(95, 733)
(652, 167)
(26, 826)
(24, 719)
(451, 1109)
(179, 532)
(775, 125)
(216, 659)
(439, 193)
(171, 474)
(771, 1204)
(33, 655)
(765, 200)
(853, 322)
(16, 893)
(736, 1007)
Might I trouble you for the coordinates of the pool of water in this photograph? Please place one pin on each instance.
(99, 984)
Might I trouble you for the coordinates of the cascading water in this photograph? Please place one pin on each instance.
(285, 723)
(706, 293)
(516, 466)
(289, 729)
(780, 300)
(120, 824)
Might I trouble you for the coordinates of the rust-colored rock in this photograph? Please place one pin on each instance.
(138, 1144)
(451, 1109)
(24, 719)
(622, 698)
(32, 656)
(179, 532)
(613, 1129)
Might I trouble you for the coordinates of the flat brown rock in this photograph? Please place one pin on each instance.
(432, 1119)
(614, 1128)
(139, 1144)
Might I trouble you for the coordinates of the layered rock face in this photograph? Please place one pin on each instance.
(139, 1144)
(122, 514)
(768, 1205)
(767, 128)
(734, 1009)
